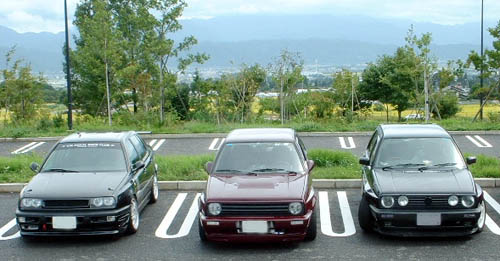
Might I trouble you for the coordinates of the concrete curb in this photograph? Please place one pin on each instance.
(201, 184)
(222, 135)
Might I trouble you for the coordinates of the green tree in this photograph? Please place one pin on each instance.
(344, 89)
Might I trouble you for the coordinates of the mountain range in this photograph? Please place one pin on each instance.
(232, 40)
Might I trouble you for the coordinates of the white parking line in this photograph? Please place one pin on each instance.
(152, 142)
(8, 227)
(345, 210)
(28, 147)
(158, 145)
(162, 229)
(215, 145)
(350, 140)
(478, 142)
(492, 226)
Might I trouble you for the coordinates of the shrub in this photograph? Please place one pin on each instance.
(447, 104)
(330, 158)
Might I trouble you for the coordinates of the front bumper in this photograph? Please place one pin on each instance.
(95, 222)
(399, 222)
(228, 229)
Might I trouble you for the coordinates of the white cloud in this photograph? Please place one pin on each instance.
(48, 15)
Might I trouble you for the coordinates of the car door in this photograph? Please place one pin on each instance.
(137, 175)
(146, 155)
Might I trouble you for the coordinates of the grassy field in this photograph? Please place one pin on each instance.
(329, 165)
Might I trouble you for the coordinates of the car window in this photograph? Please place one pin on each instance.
(372, 144)
(86, 157)
(132, 154)
(418, 151)
(261, 157)
(139, 146)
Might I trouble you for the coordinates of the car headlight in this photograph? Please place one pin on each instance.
(453, 200)
(468, 201)
(403, 201)
(214, 209)
(387, 202)
(295, 208)
(31, 203)
(103, 202)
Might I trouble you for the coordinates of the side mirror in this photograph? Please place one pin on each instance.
(471, 160)
(208, 167)
(34, 167)
(364, 161)
(310, 164)
(138, 165)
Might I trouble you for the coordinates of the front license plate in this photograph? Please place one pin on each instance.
(254, 227)
(428, 219)
(64, 222)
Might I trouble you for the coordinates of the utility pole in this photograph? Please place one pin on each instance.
(352, 92)
(68, 76)
(481, 76)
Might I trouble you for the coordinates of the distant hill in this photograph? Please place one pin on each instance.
(326, 40)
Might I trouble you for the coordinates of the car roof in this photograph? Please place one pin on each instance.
(261, 135)
(97, 137)
(413, 131)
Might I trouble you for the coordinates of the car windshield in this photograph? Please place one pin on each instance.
(418, 152)
(86, 157)
(267, 157)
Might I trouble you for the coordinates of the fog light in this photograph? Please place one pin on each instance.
(111, 218)
(21, 220)
(296, 222)
(387, 216)
(212, 223)
(30, 227)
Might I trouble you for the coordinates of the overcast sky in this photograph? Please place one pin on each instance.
(48, 15)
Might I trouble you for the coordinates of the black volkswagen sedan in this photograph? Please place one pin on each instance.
(416, 183)
(89, 184)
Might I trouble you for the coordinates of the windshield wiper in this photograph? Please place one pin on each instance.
(59, 170)
(403, 165)
(274, 169)
(448, 164)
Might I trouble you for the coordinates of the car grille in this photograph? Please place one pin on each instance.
(428, 202)
(58, 204)
(280, 209)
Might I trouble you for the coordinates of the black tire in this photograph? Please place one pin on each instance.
(312, 230)
(201, 231)
(155, 190)
(364, 216)
(134, 217)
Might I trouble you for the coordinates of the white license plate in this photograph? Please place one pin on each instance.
(64, 222)
(428, 219)
(254, 227)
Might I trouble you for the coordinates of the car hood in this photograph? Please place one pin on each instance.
(73, 185)
(261, 187)
(425, 182)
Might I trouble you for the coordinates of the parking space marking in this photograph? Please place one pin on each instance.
(152, 142)
(350, 140)
(345, 210)
(28, 147)
(162, 229)
(492, 226)
(8, 227)
(215, 145)
(478, 141)
(158, 145)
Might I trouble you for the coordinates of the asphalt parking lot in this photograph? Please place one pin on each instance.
(339, 237)
(487, 144)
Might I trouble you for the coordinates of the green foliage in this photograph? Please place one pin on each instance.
(17, 169)
(485, 167)
(183, 167)
(330, 158)
(447, 104)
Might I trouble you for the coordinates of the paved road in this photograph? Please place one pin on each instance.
(487, 144)
(145, 245)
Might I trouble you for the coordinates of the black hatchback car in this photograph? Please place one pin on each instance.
(89, 184)
(416, 183)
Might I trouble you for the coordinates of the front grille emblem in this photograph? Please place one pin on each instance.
(428, 201)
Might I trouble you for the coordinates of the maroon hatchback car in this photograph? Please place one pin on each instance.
(259, 189)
